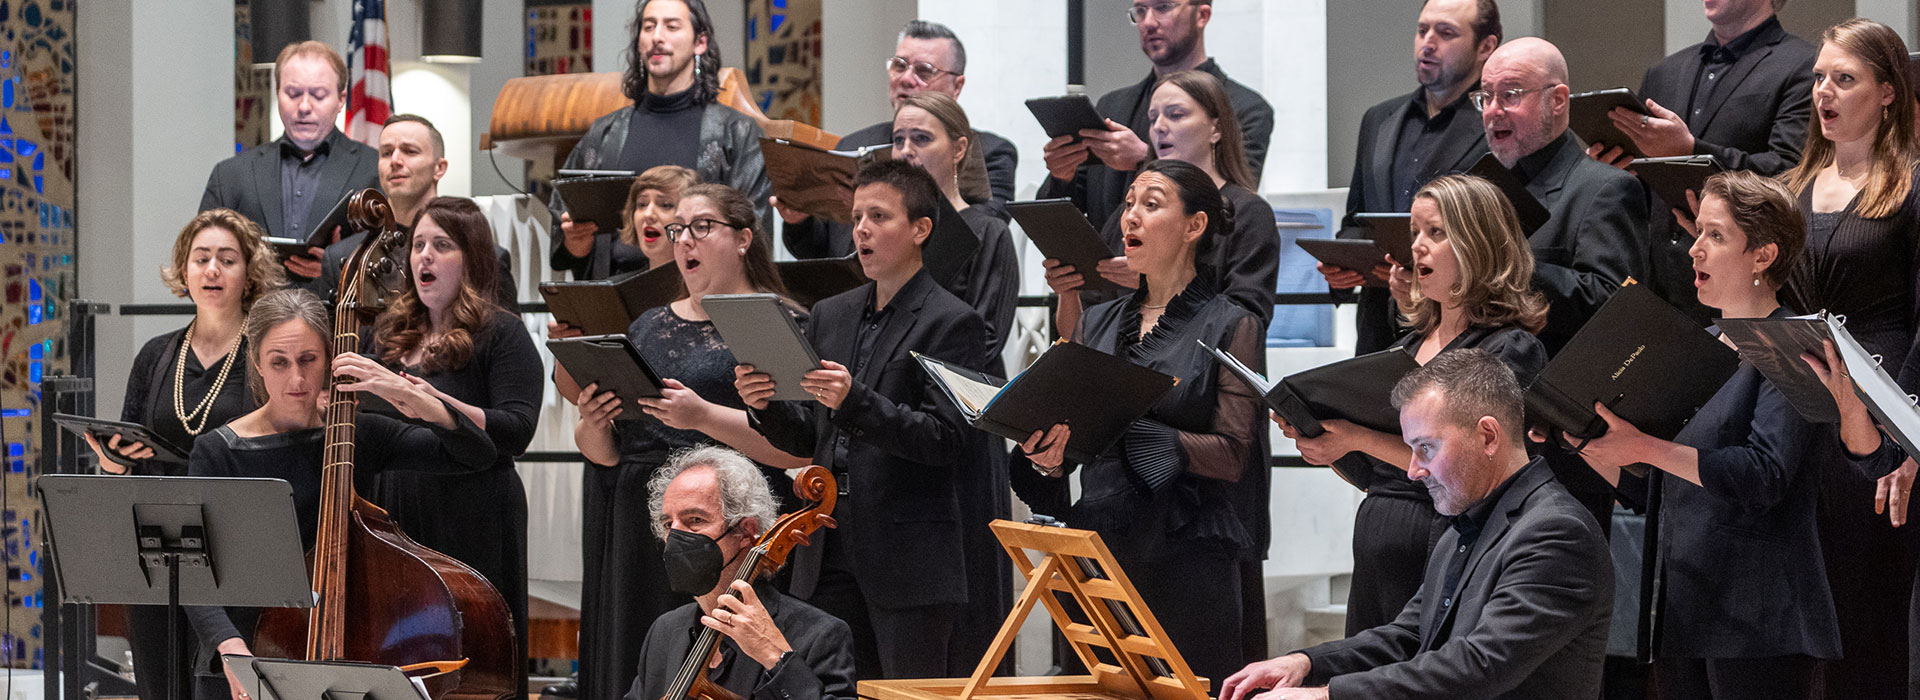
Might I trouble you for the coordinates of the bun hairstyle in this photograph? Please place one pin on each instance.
(403, 326)
(1198, 195)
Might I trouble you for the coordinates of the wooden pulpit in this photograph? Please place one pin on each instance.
(1121, 642)
(541, 117)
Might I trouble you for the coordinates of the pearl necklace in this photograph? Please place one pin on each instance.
(205, 409)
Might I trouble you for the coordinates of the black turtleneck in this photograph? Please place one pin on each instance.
(665, 130)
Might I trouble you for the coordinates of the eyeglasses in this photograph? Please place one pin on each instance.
(1139, 13)
(926, 72)
(1509, 97)
(698, 228)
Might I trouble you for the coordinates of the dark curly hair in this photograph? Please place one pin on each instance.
(403, 326)
(706, 84)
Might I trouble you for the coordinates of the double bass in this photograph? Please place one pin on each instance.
(380, 597)
(813, 484)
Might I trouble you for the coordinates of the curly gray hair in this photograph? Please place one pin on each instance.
(744, 492)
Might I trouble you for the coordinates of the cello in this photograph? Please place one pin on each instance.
(380, 597)
(814, 484)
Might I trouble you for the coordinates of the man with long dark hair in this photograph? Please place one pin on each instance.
(673, 78)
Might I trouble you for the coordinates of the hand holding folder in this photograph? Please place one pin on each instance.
(1098, 395)
(814, 181)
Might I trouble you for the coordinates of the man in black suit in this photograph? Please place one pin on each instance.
(289, 184)
(714, 505)
(1743, 96)
(1095, 167)
(1595, 238)
(1516, 599)
(413, 158)
(895, 568)
(929, 56)
(1408, 140)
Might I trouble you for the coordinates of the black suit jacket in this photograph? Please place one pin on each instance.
(905, 444)
(819, 238)
(1463, 144)
(1594, 241)
(249, 183)
(1529, 619)
(1755, 120)
(819, 668)
(1098, 189)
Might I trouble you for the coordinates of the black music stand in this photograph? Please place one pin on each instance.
(335, 680)
(174, 541)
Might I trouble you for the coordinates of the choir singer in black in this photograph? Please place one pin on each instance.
(1516, 604)
(1745, 613)
(710, 505)
(1162, 495)
(894, 569)
(1468, 289)
(1407, 140)
(1858, 185)
(191, 381)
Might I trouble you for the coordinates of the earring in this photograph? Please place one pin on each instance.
(696, 67)
(743, 251)
(1756, 280)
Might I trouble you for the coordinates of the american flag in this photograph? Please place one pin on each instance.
(369, 92)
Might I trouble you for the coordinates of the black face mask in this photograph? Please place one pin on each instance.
(693, 562)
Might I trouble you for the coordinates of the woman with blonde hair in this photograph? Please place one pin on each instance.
(1468, 288)
(1856, 186)
(188, 382)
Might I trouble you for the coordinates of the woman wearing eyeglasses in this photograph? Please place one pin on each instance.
(719, 251)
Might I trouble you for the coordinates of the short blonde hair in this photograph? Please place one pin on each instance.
(1495, 287)
(263, 267)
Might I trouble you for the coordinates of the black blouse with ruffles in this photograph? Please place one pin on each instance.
(1164, 486)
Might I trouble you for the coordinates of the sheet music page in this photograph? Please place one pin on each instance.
(976, 395)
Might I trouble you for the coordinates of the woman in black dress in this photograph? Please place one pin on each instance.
(931, 130)
(1857, 189)
(1469, 288)
(187, 382)
(284, 439)
(1190, 119)
(1745, 610)
(446, 334)
(623, 584)
(1161, 496)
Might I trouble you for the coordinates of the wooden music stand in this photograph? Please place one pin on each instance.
(1122, 642)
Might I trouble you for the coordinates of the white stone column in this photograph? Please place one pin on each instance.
(155, 111)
